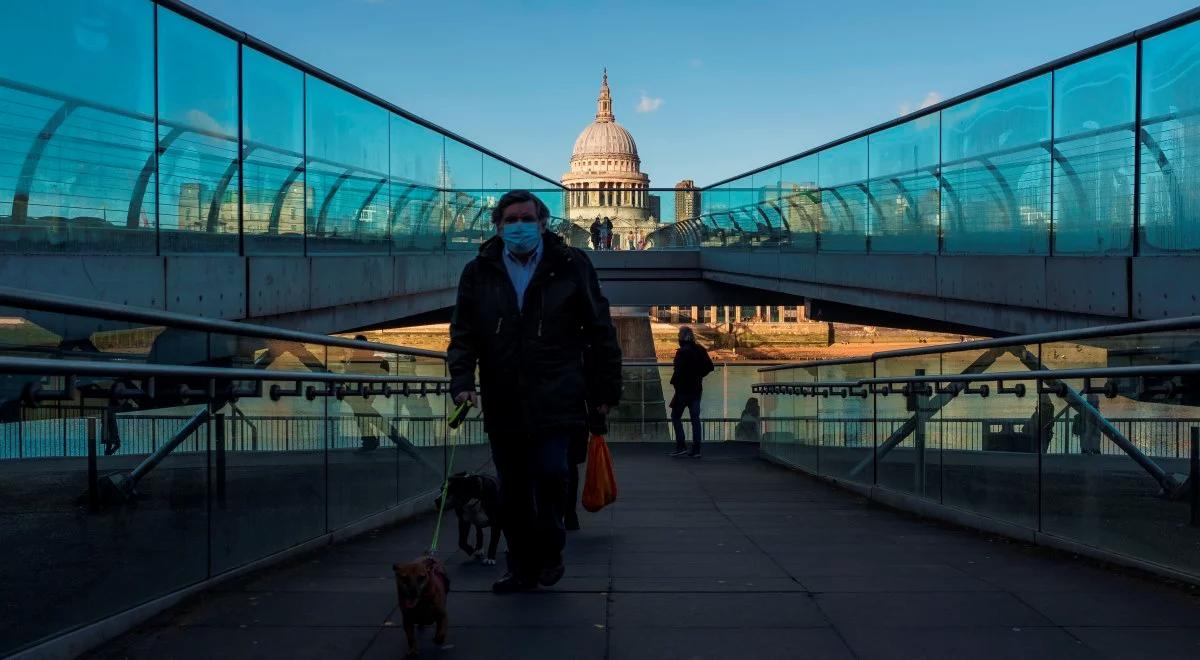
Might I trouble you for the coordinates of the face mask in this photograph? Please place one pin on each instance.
(521, 237)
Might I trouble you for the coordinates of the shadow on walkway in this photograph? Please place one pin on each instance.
(725, 557)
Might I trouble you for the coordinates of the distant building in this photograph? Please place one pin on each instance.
(605, 179)
(655, 208)
(687, 200)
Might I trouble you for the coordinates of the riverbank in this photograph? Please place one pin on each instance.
(749, 341)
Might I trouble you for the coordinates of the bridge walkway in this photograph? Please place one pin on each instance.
(726, 557)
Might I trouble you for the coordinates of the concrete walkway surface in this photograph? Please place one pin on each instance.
(724, 557)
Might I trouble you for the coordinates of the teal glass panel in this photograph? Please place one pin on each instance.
(77, 128)
(522, 180)
(904, 186)
(766, 185)
(1093, 154)
(497, 176)
(996, 172)
(417, 152)
(274, 201)
(198, 187)
(465, 201)
(800, 197)
(1170, 141)
(416, 156)
(347, 173)
(497, 180)
(742, 204)
(844, 200)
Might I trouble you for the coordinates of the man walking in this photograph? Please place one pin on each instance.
(531, 316)
(692, 364)
(608, 233)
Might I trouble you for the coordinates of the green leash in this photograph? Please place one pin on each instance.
(455, 420)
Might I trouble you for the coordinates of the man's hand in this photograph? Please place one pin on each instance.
(467, 396)
(602, 409)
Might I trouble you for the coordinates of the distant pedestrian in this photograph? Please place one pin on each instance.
(608, 233)
(370, 423)
(596, 234)
(1040, 425)
(692, 364)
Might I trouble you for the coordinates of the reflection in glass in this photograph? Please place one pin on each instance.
(844, 197)
(347, 173)
(1170, 140)
(198, 187)
(416, 156)
(904, 187)
(1093, 154)
(274, 198)
(77, 129)
(996, 172)
(800, 202)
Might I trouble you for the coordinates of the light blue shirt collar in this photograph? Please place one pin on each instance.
(522, 273)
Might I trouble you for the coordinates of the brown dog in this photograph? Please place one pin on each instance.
(422, 588)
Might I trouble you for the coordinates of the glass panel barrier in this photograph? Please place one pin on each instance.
(995, 172)
(801, 197)
(190, 475)
(275, 193)
(347, 147)
(85, 116)
(1169, 140)
(904, 187)
(846, 423)
(908, 436)
(789, 431)
(267, 463)
(462, 180)
(416, 155)
(990, 445)
(1094, 108)
(1095, 490)
(845, 207)
(198, 186)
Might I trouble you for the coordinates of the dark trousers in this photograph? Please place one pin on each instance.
(693, 407)
(533, 491)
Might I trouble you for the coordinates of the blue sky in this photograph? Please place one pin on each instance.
(708, 89)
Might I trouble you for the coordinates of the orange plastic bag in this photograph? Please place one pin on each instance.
(599, 486)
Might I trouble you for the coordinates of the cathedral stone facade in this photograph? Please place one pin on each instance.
(606, 181)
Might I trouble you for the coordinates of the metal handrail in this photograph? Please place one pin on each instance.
(1044, 374)
(1092, 332)
(44, 367)
(47, 302)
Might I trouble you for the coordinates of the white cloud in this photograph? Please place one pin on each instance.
(205, 122)
(649, 104)
(932, 98)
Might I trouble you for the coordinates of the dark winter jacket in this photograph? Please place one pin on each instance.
(692, 364)
(540, 364)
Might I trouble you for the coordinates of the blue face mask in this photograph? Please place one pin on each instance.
(521, 237)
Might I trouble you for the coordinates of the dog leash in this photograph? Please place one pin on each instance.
(454, 424)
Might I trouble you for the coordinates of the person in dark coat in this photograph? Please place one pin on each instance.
(608, 233)
(596, 234)
(530, 315)
(692, 364)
